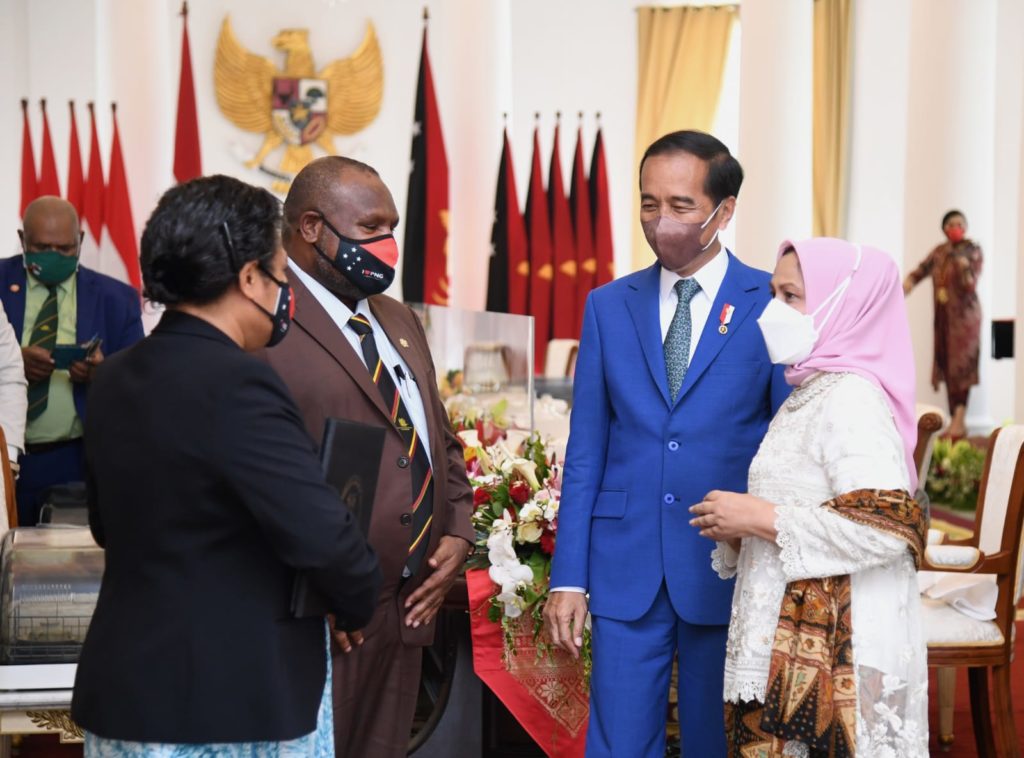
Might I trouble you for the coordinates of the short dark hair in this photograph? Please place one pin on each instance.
(951, 214)
(725, 175)
(201, 234)
(314, 181)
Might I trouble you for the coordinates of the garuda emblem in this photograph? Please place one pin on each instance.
(296, 107)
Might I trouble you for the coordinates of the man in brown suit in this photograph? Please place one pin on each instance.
(339, 219)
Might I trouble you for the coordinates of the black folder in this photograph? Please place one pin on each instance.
(350, 456)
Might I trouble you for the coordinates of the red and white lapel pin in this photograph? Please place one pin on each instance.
(725, 318)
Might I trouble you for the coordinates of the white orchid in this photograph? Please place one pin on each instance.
(510, 576)
(513, 604)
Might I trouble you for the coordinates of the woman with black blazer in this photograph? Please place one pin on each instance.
(206, 493)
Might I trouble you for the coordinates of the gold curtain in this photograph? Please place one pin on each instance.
(682, 54)
(832, 48)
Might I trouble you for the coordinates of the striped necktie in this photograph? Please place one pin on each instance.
(44, 335)
(422, 508)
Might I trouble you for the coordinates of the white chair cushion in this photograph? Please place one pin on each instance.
(945, 627)
(952, 557)
(936, 536)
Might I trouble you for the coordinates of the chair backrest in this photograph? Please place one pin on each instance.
(1001, 499)
(930, 419)
(560, 359)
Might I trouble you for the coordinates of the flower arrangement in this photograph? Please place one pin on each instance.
(516, 494)
(954, 476)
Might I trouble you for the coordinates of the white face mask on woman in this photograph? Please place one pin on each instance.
(790, 335)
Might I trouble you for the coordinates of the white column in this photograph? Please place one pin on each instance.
(950, 163)
(134, 69)
(470, 49)
(776, 66)
(14, 44)
(878, 146)
(1002, 265)
(1018, 332)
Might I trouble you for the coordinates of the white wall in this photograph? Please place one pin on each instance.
(935, 121)
(878, 124)
(488, 58)
(1002, 265)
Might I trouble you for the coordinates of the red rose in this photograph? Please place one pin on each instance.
(481, 496)
(547, 542)
(519, 492)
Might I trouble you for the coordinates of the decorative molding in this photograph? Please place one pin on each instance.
(57, 721)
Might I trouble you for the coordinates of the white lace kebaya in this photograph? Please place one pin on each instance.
(835, 434)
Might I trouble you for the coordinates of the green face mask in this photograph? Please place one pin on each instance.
(50, 267)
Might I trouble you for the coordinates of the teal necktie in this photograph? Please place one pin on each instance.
(677, 341)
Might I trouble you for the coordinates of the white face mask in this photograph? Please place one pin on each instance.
(790, 335)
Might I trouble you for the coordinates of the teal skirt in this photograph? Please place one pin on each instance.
(316, 744)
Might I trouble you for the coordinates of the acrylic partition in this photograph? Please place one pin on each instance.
(483, 360)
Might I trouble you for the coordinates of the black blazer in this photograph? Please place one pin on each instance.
(207, 495)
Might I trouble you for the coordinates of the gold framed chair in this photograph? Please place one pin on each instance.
(984, 648)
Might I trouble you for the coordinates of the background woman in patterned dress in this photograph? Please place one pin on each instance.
(954, 266)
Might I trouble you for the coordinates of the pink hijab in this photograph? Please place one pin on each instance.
(868, 333)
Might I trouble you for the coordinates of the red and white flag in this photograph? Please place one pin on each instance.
(29, 181)
(187, 161)
(49, 184)
(76, 179)
(95, 186)
(117, 216)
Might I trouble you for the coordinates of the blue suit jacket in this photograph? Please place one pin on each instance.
(636, 461)
(106, 307)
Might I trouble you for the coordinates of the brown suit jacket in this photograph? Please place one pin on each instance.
(328, 379)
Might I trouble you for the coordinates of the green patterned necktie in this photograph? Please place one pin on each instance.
(677, 341)
(44, 335)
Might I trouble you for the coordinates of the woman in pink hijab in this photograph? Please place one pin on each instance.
(825, 654)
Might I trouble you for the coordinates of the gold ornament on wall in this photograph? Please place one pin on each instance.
(296, 107)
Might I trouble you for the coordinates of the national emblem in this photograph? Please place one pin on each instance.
(296, 107)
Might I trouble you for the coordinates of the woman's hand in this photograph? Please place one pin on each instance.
(729, 516)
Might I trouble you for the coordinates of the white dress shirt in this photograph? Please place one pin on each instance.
(710, 277)
(340, 314)
(13, 389)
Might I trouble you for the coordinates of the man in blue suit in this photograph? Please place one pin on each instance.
(52, 301)
(673, 393)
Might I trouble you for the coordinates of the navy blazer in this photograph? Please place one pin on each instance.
(106, 307)
(637, 461)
